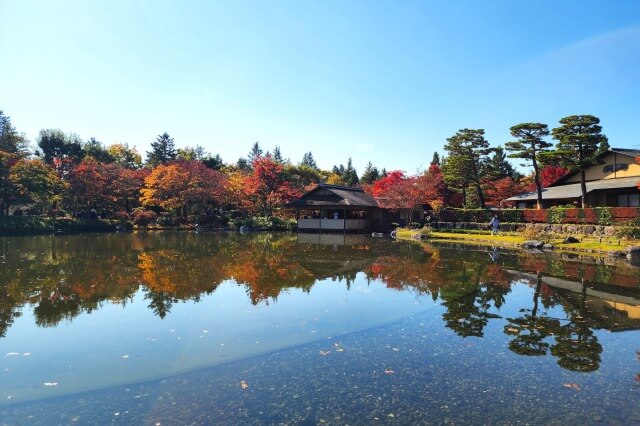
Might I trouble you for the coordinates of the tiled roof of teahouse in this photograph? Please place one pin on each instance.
(573, 190)
(624, 151)
(344, 196)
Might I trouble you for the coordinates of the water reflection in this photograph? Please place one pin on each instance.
(60, 278)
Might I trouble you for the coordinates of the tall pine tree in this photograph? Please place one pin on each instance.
(579, 139)
(529, 146)
(308, 160)
(370, 174)
(162, 150)
(467, 149)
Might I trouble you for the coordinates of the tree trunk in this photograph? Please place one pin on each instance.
(583, 188)
(480, 195)
(464, 196)
(536, 178)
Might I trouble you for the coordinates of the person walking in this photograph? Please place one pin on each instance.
(495, 224)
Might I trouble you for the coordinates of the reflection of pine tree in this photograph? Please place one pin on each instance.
(468, 313)
(576, 348)
(466, 316)
(8, 313)
(50, 312)
(160, 302)
(530, 331)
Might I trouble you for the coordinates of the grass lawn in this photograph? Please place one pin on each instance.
(586, 244)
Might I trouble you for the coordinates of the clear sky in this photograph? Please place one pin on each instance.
(380, 81)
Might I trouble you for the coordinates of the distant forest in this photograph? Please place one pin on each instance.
(61, 174)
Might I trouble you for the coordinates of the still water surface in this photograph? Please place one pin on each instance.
(206, 328)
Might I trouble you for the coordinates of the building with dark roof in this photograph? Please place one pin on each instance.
(613, 182)
(331, 208)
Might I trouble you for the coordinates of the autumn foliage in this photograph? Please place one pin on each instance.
(183, 187)
(267, 188)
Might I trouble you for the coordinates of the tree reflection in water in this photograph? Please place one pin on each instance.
(62, 277)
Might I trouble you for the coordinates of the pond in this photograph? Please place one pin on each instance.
(185, 327)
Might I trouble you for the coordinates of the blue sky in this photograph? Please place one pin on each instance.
(380, 81)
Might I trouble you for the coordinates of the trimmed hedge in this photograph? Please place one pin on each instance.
(605, 216)
(34, 225)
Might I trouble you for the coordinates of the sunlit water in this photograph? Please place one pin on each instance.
(176, 328)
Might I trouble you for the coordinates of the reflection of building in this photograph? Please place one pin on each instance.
(612, 182)
(604, 306)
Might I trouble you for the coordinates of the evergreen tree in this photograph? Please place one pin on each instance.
(255, 153)
(96, 150)
(307, 160)
(213, 162)
(529, 146)
(243, 164)
(10, 140)
(370, 174)
(350, 175)
(497, 167)
(162, 150)
(277, 155)
(435, 161)
(579, 139)
(468, 150)
(604, 146)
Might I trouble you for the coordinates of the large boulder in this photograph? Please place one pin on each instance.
(571, 240)
(535, 244)
(633, 254)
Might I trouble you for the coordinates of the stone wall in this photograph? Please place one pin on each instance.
(597, 230)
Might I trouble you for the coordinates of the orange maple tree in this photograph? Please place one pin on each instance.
(183, 187)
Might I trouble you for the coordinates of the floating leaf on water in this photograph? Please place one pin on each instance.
(13, 353)
(26, 354)
(126, 356)
(244, 385)
(395, 349)
(205, 331)
(389, 371)
(51, 383)
(324, 353)
(573, 386)
(10, 397)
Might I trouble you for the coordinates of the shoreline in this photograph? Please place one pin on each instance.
(614, 247)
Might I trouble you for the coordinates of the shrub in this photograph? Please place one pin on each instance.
(144, 217)
(512, 216)
(556, 215)
(121, 215)
(414, 225)
(569, 216)
(590, 216)
(629, 232)
(166, 220)
(603, 216)
(535, 216)
(624, 214)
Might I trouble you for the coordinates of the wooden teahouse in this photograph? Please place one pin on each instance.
(332, 208)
